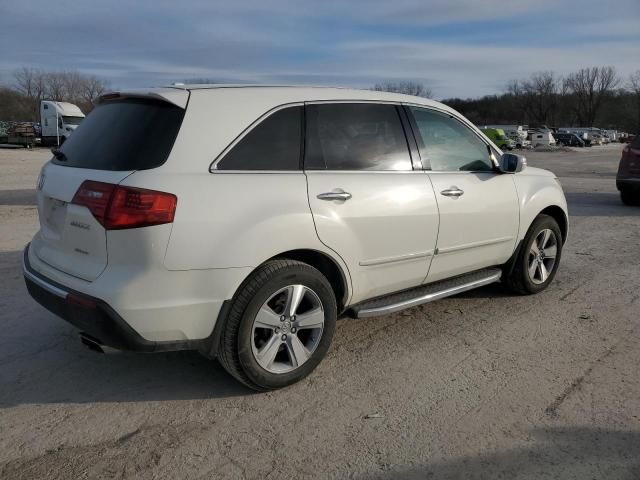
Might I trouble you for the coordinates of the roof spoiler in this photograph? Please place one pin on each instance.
(174, 96)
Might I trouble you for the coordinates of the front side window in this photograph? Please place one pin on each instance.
(273, 144)
(448, 145)
(355, 136)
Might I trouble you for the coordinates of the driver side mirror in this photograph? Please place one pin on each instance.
(512, 163)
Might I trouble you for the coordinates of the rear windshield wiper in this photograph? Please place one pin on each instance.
(59, 154)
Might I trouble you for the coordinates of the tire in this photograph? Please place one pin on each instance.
(526, 277)
(245, 346)
(630, 198)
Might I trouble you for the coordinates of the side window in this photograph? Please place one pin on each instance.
(355, 136)
(273, 144)
(447, 144)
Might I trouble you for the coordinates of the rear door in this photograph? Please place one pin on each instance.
(368, 203)
(479, 212)
(117, 138)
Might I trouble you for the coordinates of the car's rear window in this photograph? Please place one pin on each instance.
(128, 134)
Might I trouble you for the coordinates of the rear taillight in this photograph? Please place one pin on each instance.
(117, 207)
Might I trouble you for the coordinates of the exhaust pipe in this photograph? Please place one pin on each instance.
(94, 345)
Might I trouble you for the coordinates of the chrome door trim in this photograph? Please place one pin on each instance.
(466, 246)
(399, 258)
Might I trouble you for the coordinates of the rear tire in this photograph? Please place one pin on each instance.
(630, 198)
(258, 347)
(538, 259)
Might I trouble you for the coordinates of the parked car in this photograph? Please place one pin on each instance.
(242, 222)
(568, 139)
(628, 178)
(497, 136)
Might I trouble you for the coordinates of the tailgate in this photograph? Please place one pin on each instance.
(70, 238)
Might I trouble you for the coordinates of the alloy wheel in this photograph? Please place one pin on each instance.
(542, 256)
(287, 329)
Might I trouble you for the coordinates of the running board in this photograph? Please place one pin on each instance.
(425, 293)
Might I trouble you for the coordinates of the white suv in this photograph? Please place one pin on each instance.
(242, 221)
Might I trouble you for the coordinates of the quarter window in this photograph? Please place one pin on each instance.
(448, 145)
(274, 144)
(355, 136)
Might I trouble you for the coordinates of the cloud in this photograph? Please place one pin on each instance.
(461, 48)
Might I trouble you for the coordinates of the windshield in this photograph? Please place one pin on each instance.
(72, 120)
(130, 134)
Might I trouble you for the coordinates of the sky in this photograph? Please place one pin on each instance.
(458, 48)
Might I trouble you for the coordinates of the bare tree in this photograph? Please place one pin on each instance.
(55, 86)
(589, 86)
(539, 97)
(634, 87)
(31, 83)
(405, 87)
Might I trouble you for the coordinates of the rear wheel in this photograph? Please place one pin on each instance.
(280, 325)
(539, 257)
(630, 198)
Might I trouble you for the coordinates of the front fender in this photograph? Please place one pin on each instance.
(536, 193)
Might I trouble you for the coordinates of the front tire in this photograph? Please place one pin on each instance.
(280, 325)
(538, 259)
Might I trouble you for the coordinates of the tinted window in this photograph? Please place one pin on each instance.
(273, 144)
(635, 143)
(124, 135)
(447, 144)
(352, 136)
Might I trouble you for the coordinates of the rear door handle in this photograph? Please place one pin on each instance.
(334, 196)
(452, 191)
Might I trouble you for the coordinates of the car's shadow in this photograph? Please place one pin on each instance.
(550, 453)
(43, 361)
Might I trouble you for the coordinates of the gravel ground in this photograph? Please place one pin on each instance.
(482, 385)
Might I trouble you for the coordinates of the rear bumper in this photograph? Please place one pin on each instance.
(97, 319)
(628, 184)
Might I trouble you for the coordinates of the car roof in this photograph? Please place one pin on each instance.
(178, 94)
(312, 92)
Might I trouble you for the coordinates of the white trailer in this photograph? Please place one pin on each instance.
(541, 137)
(58, 120)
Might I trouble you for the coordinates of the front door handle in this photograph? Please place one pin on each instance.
(452, 191)
(335, 196)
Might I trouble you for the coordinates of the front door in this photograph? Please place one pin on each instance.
(479, 212)
(368, 204)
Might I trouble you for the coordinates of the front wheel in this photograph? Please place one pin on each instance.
(280, 325)
(538, 258)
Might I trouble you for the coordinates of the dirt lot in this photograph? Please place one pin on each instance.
(482, 385)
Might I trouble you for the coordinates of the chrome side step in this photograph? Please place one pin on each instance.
(425, 293)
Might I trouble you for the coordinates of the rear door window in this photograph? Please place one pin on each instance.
(128, 134)
(355, 136)
(273, 144)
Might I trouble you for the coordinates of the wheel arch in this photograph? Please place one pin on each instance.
(328, 266)
(558, 214)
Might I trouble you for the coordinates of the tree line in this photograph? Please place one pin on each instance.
(20, 101)
(589, 97)
(594, 96)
